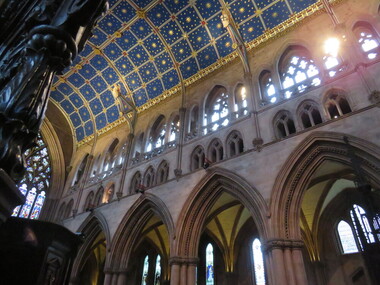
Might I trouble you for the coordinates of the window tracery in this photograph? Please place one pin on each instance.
(157, 275)
(298, 71)
(136, 182)
(36, 181)
(284, 124)
(162, 172)
(332, 60)
(235, 144)
(215, 151)
(337, 105)
(241, 103)
(174, 129)
(193, 125)
(197, 158)
(80, 170)
(217, 110)
(99, 197)
(309, 114)
(268, 90)
(149, 177)
(157, 134)
(367, 39)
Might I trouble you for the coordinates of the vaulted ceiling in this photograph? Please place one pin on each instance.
(151, 49)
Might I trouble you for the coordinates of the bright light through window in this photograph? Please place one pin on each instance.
(209, 264)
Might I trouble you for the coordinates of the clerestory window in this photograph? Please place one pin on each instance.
(367, 39)
(298, 71)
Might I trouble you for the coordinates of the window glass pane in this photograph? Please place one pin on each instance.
(157, 275)
(36, 181)
(346, 237)
(145, 271)
(258, 262)
(209, 265)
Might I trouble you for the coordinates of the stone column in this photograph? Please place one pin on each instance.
(183, 276)
(174, 273)
(108, 277)
(192, 274)
(122, 277)
(287, 263)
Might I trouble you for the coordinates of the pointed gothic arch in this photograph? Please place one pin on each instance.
(128, 232)
(290, 184)
(199, 203)
(94, 225)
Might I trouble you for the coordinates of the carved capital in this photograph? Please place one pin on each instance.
(178, 173)
(282, 244)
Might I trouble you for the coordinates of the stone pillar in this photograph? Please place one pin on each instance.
(108, 277)
(287, 263)
(229, 278)
(122, 277)
(174, 273)
(192, 274)
(298, 262)
(183, 270)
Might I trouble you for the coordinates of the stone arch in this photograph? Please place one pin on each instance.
(290, 184)
(92, 226)
(130, 227)
(193, 216)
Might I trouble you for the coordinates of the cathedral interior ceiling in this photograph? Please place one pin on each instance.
(151, 49)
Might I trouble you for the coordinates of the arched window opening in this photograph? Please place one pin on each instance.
(217, 110)
(145, 271)
(157, 134)
(284, 124)
(174, 129)
(310, 115)
(235, 144)
(36, 181)
(138, 148)
(359, 219)
(162, 172)
(241, 103)
(157, 275)
(89, 204)
(194, 117)
(80, 170)
(258, 262)
(215, 153)
(268, 90)
(99, 197)
(337, 105)
(136, 182)
(333, 62)
(109, 161)
(149, 177)
(367, 39)
(298, 71)
(95, 166)
(197, 158)
(210, 265)
(346, 237)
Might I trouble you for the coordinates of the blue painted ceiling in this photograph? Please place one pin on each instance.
(150, 47)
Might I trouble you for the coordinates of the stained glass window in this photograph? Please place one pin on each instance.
(258, 262)
(217, 112)
(35, 182)
(145, 271)
(347, 239)
(298, 72)
(367, 40)
(157, 275)
(359, 214)
(210, 264)
(268, 90)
